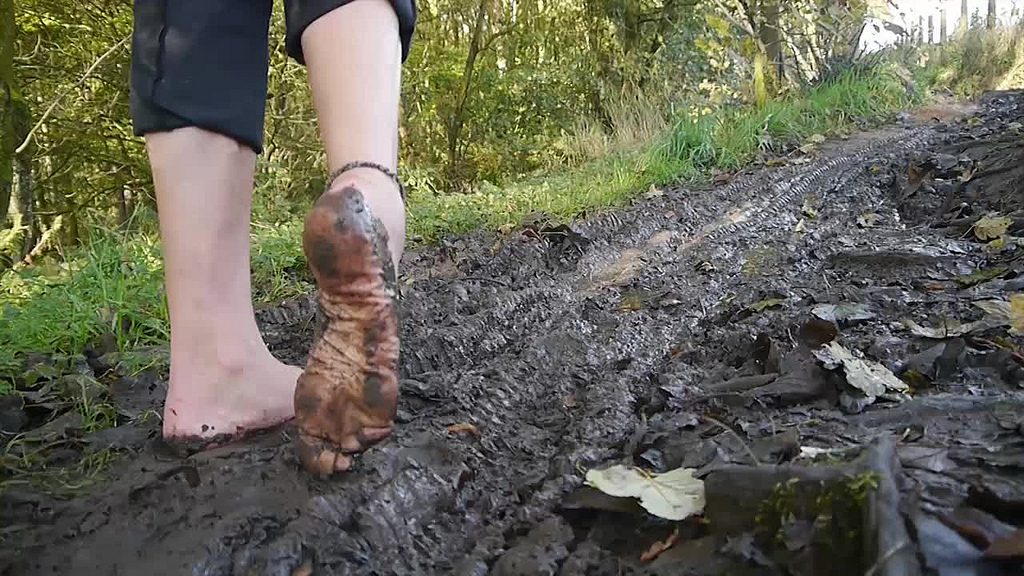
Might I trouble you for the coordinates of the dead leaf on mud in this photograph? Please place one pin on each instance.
(766, 304)
(981, 276)
(654, 192)
(464, 428)
(846, 312)
(800, 227)
(817, 332)
(868, 220)
(991, 227)
(1004, 313)
(868, 376)
(674, 495)
(948, 328)
(660, 547)
(808, 208)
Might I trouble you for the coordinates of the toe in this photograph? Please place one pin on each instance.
(363, 439)
(319, 457)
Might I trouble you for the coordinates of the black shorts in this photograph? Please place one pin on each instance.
(203, 63)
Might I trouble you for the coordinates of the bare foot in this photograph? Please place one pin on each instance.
(346, 398)
(218, 404)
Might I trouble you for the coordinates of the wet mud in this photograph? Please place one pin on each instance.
(698, 328)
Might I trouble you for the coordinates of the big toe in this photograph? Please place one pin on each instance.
(320, 457)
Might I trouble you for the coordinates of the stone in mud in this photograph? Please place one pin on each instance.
(540, 553)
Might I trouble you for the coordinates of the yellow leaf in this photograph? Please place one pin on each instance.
(674, 495)
(991, 227)
(1017, 313)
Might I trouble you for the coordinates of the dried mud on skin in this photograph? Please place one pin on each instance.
(634, 337)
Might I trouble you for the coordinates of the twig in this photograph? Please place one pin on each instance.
(53, 105)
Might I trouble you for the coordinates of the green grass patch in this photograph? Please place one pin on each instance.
(692, 148)
(113, 286)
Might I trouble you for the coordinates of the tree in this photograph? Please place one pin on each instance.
(991, 21)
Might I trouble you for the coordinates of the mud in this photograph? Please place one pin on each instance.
(680, 331)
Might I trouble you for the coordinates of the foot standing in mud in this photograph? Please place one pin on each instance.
(199, 87)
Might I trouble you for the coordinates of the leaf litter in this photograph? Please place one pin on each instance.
(674, 495)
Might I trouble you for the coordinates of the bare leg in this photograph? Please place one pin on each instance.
(223, 379)
(346, 398)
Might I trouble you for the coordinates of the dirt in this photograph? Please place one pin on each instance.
(688, 329)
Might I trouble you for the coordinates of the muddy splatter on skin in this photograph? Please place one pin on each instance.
(346, 398)
(526, 340)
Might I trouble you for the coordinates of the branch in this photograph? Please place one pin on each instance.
(53, 106)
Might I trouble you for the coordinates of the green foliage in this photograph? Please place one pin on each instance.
(697, 144)
(113, 285)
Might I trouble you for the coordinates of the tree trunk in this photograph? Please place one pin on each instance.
(931, 29)
(771, 38)
(991, 23)
(943, 30)
(8, 100)
(458, 117)
(23, 205)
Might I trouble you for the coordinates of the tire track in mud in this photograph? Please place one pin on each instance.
(523, 340)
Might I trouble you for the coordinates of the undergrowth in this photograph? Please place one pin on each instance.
(691, 148)
(114, 285)
(978, 61)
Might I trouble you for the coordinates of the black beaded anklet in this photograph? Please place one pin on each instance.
(360, 164)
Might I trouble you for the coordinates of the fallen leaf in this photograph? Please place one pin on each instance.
(1017, 313)
(948, 329)
(991, 227)
(997, 245)
(304, 570)
(1004, 313)
(1008, 548)
(981, 276)
(844, 312)
(817, 332)
(869, 220)
(674, 495)
(659, 547)
(816, 139)
(766, 304)
(654, 192)
(464, 428)
(868, 376)
(800, 227)
(808, 209)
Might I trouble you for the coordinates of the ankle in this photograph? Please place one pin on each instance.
(384, 196)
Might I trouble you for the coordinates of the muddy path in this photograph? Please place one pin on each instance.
(685, 330)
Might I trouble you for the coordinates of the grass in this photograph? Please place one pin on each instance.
(689, 150)
(114, 285)
(980, 60)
